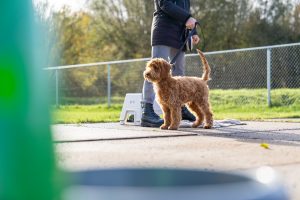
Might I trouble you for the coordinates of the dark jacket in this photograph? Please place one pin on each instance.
(168, 23)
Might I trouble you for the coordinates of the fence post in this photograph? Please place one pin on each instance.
(269, 71)
(108, 86)
(56, 87)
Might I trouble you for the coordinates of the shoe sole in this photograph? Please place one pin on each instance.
(147, 124)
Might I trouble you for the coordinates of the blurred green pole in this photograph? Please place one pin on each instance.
(27, 163)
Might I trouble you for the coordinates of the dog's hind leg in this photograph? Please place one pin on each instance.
(205, 107)
(199, 115)
(167, 117)
(175, 117)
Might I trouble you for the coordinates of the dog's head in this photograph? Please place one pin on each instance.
(156, 70)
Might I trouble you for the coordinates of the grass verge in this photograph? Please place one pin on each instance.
(243, 104)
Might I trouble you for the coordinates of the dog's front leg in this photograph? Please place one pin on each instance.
(175, 117)
(166, 116)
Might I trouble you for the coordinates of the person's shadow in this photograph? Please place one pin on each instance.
(282, 136)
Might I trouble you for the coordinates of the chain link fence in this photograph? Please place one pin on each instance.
(264, 69)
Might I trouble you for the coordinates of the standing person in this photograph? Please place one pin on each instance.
(170, 20)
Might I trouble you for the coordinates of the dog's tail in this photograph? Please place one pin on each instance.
(206, 67)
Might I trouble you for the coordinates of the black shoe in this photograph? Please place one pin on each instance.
(149, 117)
(187, 115)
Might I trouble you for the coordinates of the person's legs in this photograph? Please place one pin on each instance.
(149, 117)
(179, 68)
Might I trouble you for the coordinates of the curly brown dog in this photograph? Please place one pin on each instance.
(173, 92)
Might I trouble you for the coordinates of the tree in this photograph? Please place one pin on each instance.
(296, 23)
(221, 21)
(268, 24)
(125, 25)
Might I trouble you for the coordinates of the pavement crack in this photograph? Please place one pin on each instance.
(123, 138)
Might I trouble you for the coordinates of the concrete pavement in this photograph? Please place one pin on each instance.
(110, 145)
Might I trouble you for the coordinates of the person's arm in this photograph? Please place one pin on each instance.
(174, 11)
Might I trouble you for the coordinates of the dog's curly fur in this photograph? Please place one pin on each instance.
(173, 92)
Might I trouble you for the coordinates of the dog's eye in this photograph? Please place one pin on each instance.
(155, 67)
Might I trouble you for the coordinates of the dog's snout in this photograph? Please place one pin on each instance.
(147, 74)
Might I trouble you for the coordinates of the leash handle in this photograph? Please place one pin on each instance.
(184, 43)
(202, 37)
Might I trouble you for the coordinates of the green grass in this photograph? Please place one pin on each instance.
(243, 104)
(248, 104)
(86, 113)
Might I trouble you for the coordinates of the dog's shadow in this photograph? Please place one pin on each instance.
(283, 136)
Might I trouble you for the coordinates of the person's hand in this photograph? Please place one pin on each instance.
(195, 39)
(190, 23)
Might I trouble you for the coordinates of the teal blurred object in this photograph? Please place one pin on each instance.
(27, 163)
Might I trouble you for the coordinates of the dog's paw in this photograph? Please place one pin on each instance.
(164, 127)
(207, 126)
(195, 125)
